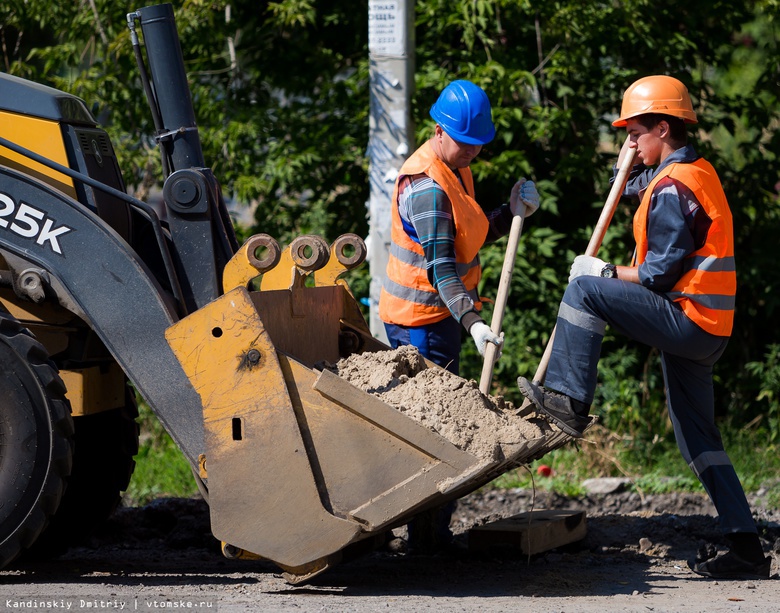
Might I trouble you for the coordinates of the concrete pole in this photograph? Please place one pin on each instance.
(391, 133)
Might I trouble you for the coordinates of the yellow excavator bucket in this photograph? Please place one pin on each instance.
(299, 462)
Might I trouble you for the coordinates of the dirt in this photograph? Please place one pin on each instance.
(633, 558)
(451, 406)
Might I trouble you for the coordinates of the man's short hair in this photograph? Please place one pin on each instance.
(677, 128)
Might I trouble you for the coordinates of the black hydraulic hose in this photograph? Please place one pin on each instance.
(151, 98)
(139, 205)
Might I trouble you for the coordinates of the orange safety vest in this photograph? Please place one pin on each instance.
(407, 297)
(708, 286)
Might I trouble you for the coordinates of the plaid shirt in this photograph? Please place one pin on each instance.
(426, 213)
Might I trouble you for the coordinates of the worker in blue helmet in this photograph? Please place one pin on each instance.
(463, 112)
(429, 295)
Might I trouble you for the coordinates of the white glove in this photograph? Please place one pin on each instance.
(482, 334)
(524, 193)
(586, 266)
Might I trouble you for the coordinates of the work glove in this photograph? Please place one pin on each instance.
(482, 334)
(586, 266)
(524, 194)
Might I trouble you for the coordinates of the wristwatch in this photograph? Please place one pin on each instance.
(609, 271)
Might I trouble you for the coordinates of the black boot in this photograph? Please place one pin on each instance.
(569, 414)
(744, 560)
(731, 566)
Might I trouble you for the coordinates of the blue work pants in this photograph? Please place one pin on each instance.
(688, 354)
(438, 342)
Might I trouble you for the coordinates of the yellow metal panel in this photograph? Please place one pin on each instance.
(262, 492)
(42, 136)
(92, 390)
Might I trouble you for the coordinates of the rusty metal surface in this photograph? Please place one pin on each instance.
(300, 463)
(262, 492)
(306, 256)
(347, 252)
(246, 264)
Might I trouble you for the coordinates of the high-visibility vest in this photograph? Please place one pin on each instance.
(707, 288)
(407, 297)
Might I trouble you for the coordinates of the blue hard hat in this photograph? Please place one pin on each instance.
(463, 112)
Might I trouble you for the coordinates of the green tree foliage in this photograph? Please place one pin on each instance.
(556, 73)
(281, 95)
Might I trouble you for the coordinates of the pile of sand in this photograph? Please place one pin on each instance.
(451, 406)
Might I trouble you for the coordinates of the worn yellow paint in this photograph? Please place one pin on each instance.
(263, 495)
(330, 273)
(93, 390)
(285, 275)
(212, 345)
(238, 272)
(42, 136)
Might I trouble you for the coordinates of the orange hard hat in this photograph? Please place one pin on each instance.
(656, 94)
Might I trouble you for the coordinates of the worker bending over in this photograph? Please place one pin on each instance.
(429, 294)
(678, 296)
(430, 290)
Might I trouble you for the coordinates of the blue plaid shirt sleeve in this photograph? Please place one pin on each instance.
(426, 213)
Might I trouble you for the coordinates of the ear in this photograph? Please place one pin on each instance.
(663, 129)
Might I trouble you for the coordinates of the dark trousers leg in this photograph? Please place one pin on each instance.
(689, 394)
(688, 355)
(590, 303)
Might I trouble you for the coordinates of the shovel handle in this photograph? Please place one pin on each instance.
(501, 299)
(618, 187)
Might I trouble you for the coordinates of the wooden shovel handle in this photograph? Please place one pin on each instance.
(618, 187)
(501, 298)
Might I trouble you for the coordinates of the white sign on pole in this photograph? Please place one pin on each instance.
(386, 28)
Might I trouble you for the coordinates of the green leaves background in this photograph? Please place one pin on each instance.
(281, 96)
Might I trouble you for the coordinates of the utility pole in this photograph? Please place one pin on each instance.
(391, 133)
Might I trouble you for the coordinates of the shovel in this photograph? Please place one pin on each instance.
(599, 231)
(501, 298)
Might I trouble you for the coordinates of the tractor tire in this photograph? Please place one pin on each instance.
(103, 462)
(36, 439)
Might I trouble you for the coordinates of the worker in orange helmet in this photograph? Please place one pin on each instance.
(677, 296)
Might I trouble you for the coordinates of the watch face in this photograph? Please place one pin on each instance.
(609, 271)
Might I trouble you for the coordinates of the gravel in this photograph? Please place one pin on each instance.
(633, 558)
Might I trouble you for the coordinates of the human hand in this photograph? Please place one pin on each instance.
(482, 335)
(586, 265)
(524, 194)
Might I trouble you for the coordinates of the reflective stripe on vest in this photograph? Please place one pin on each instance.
(407, 297)
(707, 288)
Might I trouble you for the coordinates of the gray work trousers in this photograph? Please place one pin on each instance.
(688, 354)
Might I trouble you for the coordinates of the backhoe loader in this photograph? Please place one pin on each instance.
(103, 295)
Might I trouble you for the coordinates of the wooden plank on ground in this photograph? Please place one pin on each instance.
(532, 532)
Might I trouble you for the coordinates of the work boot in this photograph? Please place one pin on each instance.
(731, 566)
(568, 414)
